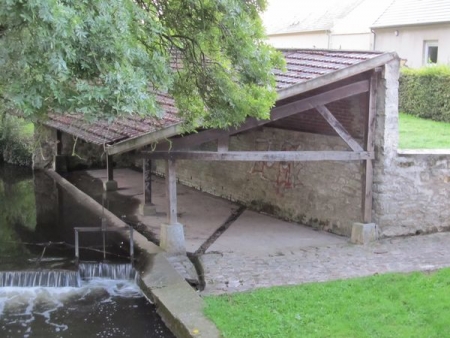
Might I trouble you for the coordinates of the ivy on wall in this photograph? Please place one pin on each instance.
(425, 92)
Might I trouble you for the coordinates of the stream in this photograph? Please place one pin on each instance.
(42, 291)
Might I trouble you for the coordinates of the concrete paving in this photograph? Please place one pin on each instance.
(261, 251)
(201, 214)
(257, 234)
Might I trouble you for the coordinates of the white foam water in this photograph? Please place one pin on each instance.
(44, 311)
(107, 270)
(45, 278)
(67, 278)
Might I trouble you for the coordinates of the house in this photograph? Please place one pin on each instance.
(332, 24)
(418, 30)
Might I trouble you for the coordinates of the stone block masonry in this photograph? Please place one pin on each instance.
(412, 195)
(324, 195)
(411, 189)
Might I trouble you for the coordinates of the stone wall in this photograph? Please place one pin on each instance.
(45, 149)
(411, 189)
(412, 195)
(325, 195)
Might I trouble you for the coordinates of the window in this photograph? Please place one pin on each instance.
(430, 54)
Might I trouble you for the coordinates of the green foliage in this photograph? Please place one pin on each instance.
(18, 207)
(392, 305)
(418, 133)
(104, 58)
(425, 92)
(16, 140)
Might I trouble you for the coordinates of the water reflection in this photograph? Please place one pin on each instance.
(17, 210)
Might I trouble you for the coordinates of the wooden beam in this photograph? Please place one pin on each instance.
(296, 107)
(270, 156)
(109, 167)
(191, 140)
(339, 128)
(338, 75)
(171, 192)
(277, 113)
(143, 140)
(367, 194)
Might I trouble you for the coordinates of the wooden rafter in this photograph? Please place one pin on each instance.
(143, 140)
(276, 114)
(339, 128)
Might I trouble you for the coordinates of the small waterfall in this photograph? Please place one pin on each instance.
(66, 278)
(42, 278)
(107, 270)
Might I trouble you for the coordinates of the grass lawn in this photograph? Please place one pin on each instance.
(392, 305)
(417, 133)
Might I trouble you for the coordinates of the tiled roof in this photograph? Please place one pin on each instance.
(307, 64)
(122, 128)
(414, 12)
(302, 66)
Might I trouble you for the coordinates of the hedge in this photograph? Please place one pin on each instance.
(425, 92)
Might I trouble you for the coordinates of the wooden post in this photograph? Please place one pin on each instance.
(109, 166)
(172, 232)
(59, 161)
(110, 184)
(370, 147)
(147, 208)
(147, 176)
(58, 142)
(222, 144)
(171, 192)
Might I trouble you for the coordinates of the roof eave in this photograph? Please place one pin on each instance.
(410, 24)
(298, 32)
(145, 139)
(336, 76)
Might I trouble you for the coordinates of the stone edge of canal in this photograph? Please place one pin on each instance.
(179, 306)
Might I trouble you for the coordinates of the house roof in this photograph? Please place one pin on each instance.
(306, 70)
(319, 15)
(358, 21)
(414, 12)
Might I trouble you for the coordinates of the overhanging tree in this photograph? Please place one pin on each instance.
(104, 58)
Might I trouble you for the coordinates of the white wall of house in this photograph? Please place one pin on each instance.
(409, 42)
(323, 40)
(362, 41)
(300, 40)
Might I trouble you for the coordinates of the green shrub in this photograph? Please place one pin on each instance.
(425, 92)
(16, 140)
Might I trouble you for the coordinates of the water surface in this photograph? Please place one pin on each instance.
(36, 234)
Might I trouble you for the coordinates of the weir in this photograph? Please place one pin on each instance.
(89, 270)
(41, 278)
(67, 278)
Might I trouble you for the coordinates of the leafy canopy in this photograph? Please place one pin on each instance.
(104, 58)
